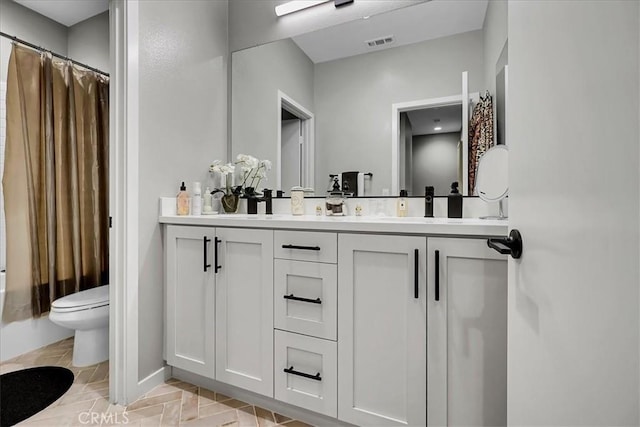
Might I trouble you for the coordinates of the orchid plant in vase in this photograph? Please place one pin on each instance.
(230, 193)
(251, 172)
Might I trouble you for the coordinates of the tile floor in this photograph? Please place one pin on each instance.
(174, 403)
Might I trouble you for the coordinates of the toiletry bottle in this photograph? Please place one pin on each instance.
(207, 204)
(401, 205)
(297, 201)
(182, 201)
(196, 201)
(454, 202)
(428, 201)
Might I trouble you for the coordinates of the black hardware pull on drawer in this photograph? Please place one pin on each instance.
(292, 371)
(294, 298)
(304, 248)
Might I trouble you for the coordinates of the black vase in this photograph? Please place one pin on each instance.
(230, 203)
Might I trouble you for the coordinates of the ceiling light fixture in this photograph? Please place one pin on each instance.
(294, 6)
(437, 128)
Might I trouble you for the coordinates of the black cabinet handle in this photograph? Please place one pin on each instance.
(205, 265)
(437, 272)
(294, 298)
(292, 371)
(511, 245)
(215, 253)
(415, 273)
(304, 248)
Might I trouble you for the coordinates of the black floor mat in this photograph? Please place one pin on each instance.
(25, 393)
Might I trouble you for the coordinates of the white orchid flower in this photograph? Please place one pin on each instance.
(266, 164)
(213, 166)
(247, 160)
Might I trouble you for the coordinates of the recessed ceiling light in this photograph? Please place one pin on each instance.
(437, 128)
(366, 17)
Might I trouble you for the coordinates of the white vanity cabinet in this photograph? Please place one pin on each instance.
(390, 327)
(467, 333)
(244, 309)
(219, 304)
(382, 330)
(190, 299)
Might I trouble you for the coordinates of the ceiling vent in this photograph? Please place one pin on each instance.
(382, 41)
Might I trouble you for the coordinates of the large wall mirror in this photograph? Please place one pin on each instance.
(321, 104)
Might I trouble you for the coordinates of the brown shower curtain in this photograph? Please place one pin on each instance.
(55, 182)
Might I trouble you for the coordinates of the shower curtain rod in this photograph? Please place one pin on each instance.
(41, 49)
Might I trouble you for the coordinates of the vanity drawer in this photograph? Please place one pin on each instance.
(311, 377)
(306, 246)
(305, 298)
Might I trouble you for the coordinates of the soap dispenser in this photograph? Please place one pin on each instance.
(401, 204)
(182, 201)
(428, 201)
(454, 204)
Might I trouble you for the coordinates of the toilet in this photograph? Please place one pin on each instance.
(87, 312)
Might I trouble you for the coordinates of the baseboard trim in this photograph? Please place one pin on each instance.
(153, 380)
(285, 409)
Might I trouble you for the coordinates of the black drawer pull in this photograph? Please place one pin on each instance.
(304, 248)
(294, 298)
(316, 377)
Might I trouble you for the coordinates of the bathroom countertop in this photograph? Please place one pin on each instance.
(354, 224)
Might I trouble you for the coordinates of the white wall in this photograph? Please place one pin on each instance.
(353, 98)
(573, 336)
(88, 42)
(257, 75)
(495, 36)
(28, 25)
(254, 22)
(435, 162)
(183, 124)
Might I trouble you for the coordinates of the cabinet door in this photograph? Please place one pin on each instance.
(382, 330)
(189, 299)
(467, 346)
(244, 315)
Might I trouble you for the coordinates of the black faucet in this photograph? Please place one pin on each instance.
(252, 202)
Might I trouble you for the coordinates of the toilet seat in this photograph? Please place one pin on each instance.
(83, 300)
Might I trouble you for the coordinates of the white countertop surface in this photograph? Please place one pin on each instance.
(354, 224)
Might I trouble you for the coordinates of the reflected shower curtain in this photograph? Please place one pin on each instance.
(55, 182)
(480, 136)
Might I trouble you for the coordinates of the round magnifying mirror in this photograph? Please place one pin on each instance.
(492, 181)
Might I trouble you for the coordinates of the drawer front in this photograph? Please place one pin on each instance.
(305, 298)
(306, 246)
(303, 357)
